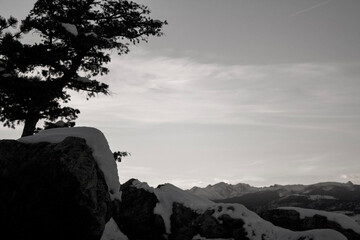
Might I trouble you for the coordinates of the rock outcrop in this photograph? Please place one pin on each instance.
(292, 219)
(51, 191)
(135, 214)
(186, 223)
(167, 212)
(136, 219)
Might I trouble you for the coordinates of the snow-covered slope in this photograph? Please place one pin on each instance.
(96, 140)
(343, 220)
(258, 227)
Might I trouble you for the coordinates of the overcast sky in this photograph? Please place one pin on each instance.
(255, 91)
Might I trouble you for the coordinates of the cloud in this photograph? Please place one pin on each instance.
(158, 89)
(351, 176)
(322, 3)
(271, 123)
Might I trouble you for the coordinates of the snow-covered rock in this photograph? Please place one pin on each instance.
(187, 217)
(52, 190)
(343, 220)
(135, 215)
(300, 219)
(96, 140)
(167, 194)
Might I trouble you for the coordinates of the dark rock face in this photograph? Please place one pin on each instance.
(135, 215)
(185, 224)
(51, 191)
(137, 220)
(290, 219)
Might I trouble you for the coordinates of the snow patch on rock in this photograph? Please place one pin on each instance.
(142, 185)
(198, 237)
(112, 231)
(71, 28)
(91, 34)
(256, 227)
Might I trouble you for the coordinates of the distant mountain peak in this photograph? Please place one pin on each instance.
(350, 183)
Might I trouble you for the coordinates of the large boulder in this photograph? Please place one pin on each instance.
(299, 219)
(52, 191)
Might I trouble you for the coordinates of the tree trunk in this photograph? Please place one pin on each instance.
(30, 125)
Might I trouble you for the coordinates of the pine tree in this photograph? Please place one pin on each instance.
(74, 39)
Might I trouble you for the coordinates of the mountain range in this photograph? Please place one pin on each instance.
(224, 190)
(327, 196)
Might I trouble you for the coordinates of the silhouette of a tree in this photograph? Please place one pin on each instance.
(74, 39)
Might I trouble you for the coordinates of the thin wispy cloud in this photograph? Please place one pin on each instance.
(320, 4)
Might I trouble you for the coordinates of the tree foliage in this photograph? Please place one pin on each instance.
(118, 156)
(74, 39)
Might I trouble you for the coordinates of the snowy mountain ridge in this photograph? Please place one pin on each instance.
(224, 190)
